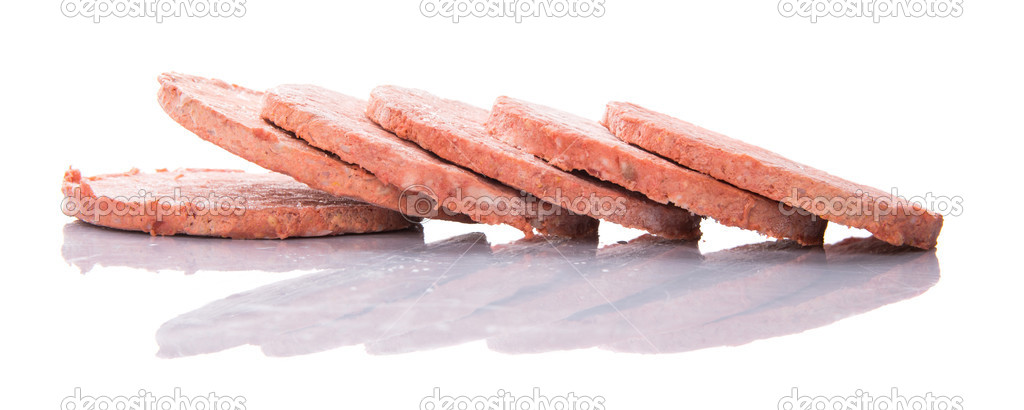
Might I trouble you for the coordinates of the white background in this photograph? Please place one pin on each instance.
(921, 104)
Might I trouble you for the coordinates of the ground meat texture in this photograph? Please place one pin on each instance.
(220, 203)
(573, 143)
(337, 123)
(227, 115)
(758, 170)
(455, 131)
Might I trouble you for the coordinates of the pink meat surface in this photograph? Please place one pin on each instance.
(891, 219)
(224, 203)
(573, 143)
(455, 131)
(227, 115)
(337, 123)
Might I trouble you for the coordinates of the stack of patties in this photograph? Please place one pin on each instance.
(454, 136)
(345, 154)
(407, 154)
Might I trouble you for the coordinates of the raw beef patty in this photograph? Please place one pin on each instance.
(227, 115)
(893, 220)
(224, 203)
(337, 123)
(573, 143)
(455, 131)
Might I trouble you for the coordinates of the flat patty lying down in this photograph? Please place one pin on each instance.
(455, 131)
(573, 143)
(337, 123)
(227, 115)
(223, 203)
(758, 170)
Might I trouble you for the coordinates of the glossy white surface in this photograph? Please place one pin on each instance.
(392, 293)
(385, 318)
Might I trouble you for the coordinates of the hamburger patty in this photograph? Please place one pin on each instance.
(455, 131)
(337, 123)
(893, 220)
(227, 115)
(573, 143)
(224, 203)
